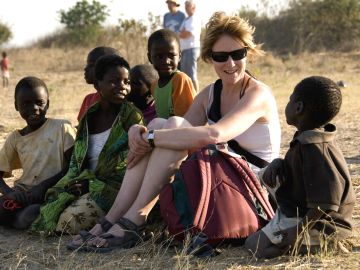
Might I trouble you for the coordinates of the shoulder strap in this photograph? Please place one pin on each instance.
(255, 160)
(214, 112)
(205, 171)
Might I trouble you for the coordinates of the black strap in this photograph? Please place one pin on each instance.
(255, 160)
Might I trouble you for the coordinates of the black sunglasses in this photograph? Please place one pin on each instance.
(224, 56)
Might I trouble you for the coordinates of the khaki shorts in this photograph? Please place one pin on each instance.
(280, 222)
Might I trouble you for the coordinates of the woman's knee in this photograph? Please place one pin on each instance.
(156, 123)
(176, 122)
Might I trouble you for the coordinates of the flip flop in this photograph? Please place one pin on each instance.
(133, 235)
(87, 236)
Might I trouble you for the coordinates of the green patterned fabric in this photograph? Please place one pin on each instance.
(105, 181)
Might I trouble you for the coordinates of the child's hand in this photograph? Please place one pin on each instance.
(274, 169)
(78, 188)
(21, 197)
(37, 194)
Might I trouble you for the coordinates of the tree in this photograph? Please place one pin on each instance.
(84, 21)
(5, 33)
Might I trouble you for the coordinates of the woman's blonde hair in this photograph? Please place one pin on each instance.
(221, 24)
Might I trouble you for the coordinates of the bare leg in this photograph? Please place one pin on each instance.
(129, 189)
(158, 173)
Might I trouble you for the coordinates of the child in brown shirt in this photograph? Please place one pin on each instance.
(315, 196)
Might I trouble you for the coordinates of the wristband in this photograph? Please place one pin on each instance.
(151, 137)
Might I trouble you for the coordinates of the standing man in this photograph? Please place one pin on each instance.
(174, 18)
(190, 32)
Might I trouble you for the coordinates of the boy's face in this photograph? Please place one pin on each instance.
(115, 85)
(138, 94)
(292, 110)
(165, 57)
(32, 105)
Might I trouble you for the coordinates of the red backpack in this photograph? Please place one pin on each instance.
(214, 194)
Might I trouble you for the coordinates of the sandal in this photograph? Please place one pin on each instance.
(133, 235)
(87, 236)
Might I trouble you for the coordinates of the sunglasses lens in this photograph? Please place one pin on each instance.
(220, 56)
(224, 56)
(238, 54)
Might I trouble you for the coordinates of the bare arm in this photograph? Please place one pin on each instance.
(248, 110)
(38, 191)
(184, 34)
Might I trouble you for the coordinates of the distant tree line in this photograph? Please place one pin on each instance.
(309, 25)
(306, 25)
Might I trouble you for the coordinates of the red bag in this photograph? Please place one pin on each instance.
(216, 194)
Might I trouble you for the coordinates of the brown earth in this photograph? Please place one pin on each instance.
(62, 72)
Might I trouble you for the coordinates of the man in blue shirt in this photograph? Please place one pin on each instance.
(174, 18)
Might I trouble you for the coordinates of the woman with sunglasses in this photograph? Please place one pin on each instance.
(236, 107)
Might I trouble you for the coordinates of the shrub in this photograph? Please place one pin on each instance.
(83, 21)
(5, 33)
(309, 25)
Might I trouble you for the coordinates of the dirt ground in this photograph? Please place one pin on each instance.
(21, 250)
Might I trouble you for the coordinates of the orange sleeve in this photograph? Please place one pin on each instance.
(183, 93)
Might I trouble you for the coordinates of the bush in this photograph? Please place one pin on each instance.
(5, 33)
(83, 21)
(310, 25)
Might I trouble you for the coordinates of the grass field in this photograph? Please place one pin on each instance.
(63, 73)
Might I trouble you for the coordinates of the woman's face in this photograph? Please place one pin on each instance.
(231, 71)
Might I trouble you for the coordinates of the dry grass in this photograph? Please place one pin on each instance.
(62, 71)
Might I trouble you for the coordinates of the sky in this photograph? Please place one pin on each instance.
(33, 19)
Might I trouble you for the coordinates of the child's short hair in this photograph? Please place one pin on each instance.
(163, 35)
(30, 82)
(146, 73)
(104, 63)
(321, 97)
(102, 50)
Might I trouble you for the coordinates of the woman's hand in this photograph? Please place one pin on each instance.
(137, 145)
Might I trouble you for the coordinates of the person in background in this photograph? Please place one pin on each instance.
(174, 18)
(173, 91)
(5, 73)
(89, 76)
(42, 149)
(189, 34)
(141, 79)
